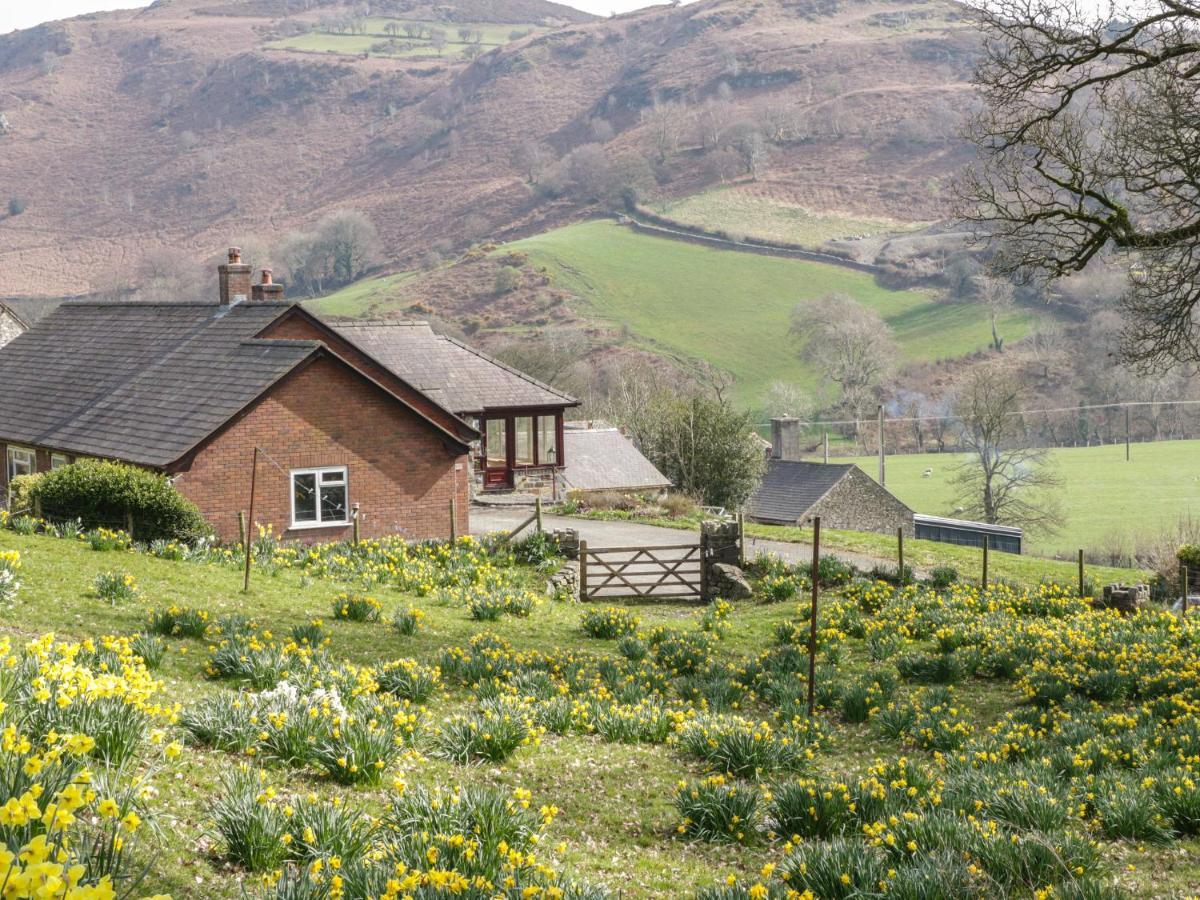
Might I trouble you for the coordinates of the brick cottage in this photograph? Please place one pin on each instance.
(192, 389)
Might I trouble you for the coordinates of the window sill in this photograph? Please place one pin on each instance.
(309, 526)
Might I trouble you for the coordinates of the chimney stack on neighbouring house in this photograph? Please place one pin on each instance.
(235, 278)
(785, 438)
(266, 289)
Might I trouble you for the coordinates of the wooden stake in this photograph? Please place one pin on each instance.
(741, 521)
(987, 540)
(250, 521)
(242, 527)
(354, 522)
(900, 553)
(812, 622)
(827, 447)
(882, 470)
(1081, 574)
(537, 511)
(128, 522)
(1127, 434)
(583, 551)
(1184, 578)
(453, 519)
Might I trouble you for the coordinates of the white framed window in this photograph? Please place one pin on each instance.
(319, 497)
(58, 460)
(21, 461)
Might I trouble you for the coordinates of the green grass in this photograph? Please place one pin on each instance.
(740, 210)
(732, 309)
(1107, 502)
(360, 299)
(324, 42)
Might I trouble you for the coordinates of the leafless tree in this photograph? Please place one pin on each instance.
(850, 343)
(713, 119)
(996, 294)
(783, 398)
(666, 121)
(1004, 480)
(1088, 135)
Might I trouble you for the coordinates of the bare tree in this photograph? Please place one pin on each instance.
(996, 294)
(850, 343)
(1088, 136)
(783, 398)
(1004, 479)
(713, 119)
(666, 121)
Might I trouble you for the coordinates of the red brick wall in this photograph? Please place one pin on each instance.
(399, 472)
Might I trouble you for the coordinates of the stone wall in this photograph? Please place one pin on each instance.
(858, 503)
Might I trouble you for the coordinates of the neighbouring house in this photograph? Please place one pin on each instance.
(18, 313)
(522, 446)
(1004, 538)
(793, 492)
(601, 458)
(194, 389)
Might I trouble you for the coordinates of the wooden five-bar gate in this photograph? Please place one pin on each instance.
(667, 571)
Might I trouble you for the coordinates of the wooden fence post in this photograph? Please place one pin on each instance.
(129, 522)
(242, 527)
(812, 622)
(453, 519)
(537, 511)
(1081, 591)
(1183, 577)
(354, 521)
(583, 552)
(37, 507)
(900, 554)
(250, 522)
(987, 540)
(741, 520)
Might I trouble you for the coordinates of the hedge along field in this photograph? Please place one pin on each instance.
(733, 309)
(1107, 502)
(967, 744)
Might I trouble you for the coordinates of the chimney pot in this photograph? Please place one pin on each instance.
(267, 289)
(235, 254)
(266, 276)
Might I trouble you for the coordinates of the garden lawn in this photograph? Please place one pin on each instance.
(616, 802)
(733, 309)
(1109, 505)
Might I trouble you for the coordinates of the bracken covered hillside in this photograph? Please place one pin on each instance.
(193, 123)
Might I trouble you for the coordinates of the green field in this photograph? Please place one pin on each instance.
(732, 309)
(356, 44)
(1107, 501)
(1097, 800)
(360, 300)
(740, 210)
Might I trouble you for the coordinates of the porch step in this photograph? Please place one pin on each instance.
(503, 499)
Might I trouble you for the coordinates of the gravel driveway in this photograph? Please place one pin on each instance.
(631, 534)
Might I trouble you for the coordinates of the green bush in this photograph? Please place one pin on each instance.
(105, 493)
(20, 490)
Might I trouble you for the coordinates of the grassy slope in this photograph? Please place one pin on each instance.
(359, 300)
(732, 309)
(1102, 495)
(617, 814)
(740, 211)
(323, 42)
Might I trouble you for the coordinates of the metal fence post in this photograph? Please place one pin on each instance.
(812, 622)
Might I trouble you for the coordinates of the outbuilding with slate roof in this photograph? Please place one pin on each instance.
(793, 492)
(208, 393)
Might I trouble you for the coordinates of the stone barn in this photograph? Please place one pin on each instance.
(844, 496)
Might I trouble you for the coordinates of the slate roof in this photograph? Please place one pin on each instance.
(460, 378)
(140, 382)
(603, 459)
(790, 488)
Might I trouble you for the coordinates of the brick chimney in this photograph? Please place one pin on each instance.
(234, 277)
(785, 438)
(267, 289)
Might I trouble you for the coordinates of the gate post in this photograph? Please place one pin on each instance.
(583, 585)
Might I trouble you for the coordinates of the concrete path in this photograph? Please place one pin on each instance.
(631, 534)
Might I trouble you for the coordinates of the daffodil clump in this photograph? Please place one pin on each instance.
(115, 587)
(357, 608)
(10, 563)
(77, 725)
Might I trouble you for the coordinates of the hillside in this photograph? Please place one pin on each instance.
(674, 300)
(195, 123)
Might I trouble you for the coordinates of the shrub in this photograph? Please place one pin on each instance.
(115, 587)
(941, 577)
(20, 492)
(99, 493)
(356, 608)
(609, 623)
(407, 621)
(716, 809)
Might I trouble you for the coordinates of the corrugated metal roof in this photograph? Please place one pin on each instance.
(462, 378)
(603, 459)
(142, 382)
(982, 527)
(790, 488)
